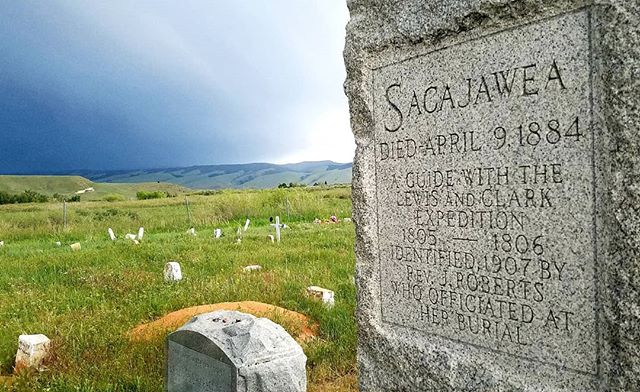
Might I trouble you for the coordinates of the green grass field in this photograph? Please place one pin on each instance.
(68, 185)
(87, 301)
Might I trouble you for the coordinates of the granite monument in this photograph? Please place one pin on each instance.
(496, 194)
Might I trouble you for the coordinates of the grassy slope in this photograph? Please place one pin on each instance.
(86, 301)
(68, 185)
(44, 184)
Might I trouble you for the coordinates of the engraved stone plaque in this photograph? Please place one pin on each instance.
(229, 351)
(484, 170)
(190, 370)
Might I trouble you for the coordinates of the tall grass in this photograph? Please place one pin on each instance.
(86, 301)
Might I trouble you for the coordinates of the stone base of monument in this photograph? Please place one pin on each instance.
(233, 351)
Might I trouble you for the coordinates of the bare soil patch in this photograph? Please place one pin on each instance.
(297, 324)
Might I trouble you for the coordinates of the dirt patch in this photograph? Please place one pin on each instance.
(297, 324)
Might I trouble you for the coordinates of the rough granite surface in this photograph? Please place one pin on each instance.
(259, 354)
(393, 357)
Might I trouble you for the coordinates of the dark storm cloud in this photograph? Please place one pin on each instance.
(132, 84)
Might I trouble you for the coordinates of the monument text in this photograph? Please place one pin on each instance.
(485, 193)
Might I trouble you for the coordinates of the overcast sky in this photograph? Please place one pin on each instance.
(145, 84)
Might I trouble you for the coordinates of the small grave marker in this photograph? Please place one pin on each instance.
(271, 238)
(130, 236)
(239, 235)
(58, 244)
(140, 234)
(192, 232)
(32, 352)
(75, 246)
(217, 233)
(186, 203)
(246, 224)
(251, 268)
(325, 295)
(112, 235)
(172, 272)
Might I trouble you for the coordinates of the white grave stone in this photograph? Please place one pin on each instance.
(140, 234)
(58, 243)
(324, 294)
(172, 272)
(192, 232)
(246, 224)
(278, 228)
(75, 246)
(32, 351)
(130, 236)
(112, 235)
(271, 238)
(1, 243)
(251, 268)
(217, 233)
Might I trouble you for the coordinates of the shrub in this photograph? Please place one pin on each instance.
(145, 195)
(61, 198)
(207, 192)
(6, 198)
(27, 196)
(113, 197)
(291, 185)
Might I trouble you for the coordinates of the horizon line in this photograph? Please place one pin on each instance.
(68, 172)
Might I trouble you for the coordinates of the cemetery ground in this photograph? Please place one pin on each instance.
(88, 301)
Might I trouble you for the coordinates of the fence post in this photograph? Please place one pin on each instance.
(186, 203)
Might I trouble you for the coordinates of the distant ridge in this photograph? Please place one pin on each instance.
(246, 175)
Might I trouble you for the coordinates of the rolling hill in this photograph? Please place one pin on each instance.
(243, 176)
(69, 185)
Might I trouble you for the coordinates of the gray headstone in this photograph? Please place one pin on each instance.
(233, 351)
(495, 191)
